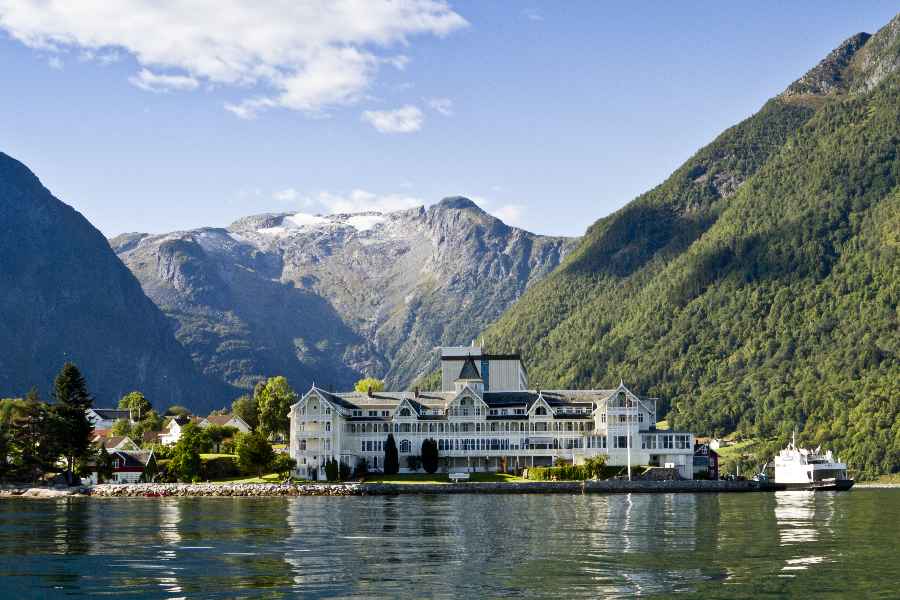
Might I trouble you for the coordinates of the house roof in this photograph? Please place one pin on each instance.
(469, 371)
(151, 436)
(134, 458)
(114, 441)
(425, 402)
(221, 420)
(112, 414)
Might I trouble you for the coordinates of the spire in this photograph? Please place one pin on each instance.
(469, 371)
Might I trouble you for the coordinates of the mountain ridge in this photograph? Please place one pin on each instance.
(68, 298)
(383, 288)
(764, 305)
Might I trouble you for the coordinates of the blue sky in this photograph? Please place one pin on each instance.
(550, 114)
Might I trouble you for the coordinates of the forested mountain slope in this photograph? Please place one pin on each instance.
(757, 288)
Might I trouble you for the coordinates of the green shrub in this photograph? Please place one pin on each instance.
(591, 469)
(332, 470)
(219, 467)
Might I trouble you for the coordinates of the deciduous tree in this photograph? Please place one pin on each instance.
(245, 407)
(369, 384)
(137, 404)
(255, 454)
(274, 400)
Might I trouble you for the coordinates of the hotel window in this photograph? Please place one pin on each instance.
(404, 412)
(620, 441)
(385, 413)
(373, 413)
(540, 410)
(362, 445)
(603, 418)
(503, 411)
(327, 410)
(357, 413)
(328, 426)
(667, 442)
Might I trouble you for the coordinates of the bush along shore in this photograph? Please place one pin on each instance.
(162, 490)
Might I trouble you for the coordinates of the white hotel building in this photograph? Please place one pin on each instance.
(484, 419)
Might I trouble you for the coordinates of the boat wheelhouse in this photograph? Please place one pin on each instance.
(800, 468)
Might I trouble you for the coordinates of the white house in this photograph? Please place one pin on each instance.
(172, 430)
(103, 418)
(482, 427)
(226, 421)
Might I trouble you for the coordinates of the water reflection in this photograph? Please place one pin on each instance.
(708, 545)
(804, 524)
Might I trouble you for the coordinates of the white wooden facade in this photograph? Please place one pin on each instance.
(478, 430)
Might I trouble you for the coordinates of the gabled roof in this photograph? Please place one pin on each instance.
(333, 398)
(131, 459)
(469, 371)
(223, 420)
(117, 442)
(112, 414)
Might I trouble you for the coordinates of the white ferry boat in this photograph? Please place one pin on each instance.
(801, 469)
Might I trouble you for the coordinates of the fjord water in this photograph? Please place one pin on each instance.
(790, 544)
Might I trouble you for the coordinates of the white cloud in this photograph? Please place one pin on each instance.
(305, 56)
(511, 214)
(286, 195)
(155, 82)
(532, 14)
(442, 105)
(55, 62)
(406, 119)
(361, 201)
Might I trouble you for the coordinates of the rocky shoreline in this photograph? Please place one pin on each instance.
(162, 490)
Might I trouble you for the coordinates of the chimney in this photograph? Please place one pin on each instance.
(417, 391)
(369, 392)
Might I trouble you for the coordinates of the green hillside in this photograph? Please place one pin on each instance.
(757, 288)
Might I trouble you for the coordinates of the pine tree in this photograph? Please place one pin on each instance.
(391, 456)
(74, 429)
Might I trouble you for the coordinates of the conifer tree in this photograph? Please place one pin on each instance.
(391, 456)
(430, 456)
(73, 427)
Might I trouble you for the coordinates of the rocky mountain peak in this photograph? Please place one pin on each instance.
(333, 297)
(830, 75)
(457, 203)
(856, 66)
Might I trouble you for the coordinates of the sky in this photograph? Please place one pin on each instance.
(153, 117)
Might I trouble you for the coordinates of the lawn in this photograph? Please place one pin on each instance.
(441, 478)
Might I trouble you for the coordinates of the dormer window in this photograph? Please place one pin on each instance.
(540, 410)
(404, 412)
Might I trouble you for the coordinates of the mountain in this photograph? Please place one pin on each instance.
(66, 297)
(333, 298)
(756, 289)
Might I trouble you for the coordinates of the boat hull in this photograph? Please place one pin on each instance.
(833, 486)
